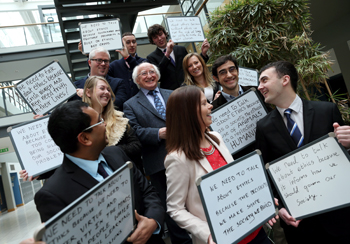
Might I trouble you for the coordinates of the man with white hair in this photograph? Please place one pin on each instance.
(99, 60)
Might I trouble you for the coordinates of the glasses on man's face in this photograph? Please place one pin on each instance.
(99, 61)
(92, 126)
(145, 73)
(231, 69)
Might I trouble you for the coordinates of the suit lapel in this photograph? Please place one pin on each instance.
(308, 115)
(78, 175)
(143, 101)
(281, 129)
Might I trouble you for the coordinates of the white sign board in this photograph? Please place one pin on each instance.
(313, 179)
(104, 33)
(185, 29)
(104, 214)
(46, 88)
(237, 198)
(236, 120)
(248, 77)
(35, 149)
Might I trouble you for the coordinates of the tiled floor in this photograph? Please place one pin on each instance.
(19, 225)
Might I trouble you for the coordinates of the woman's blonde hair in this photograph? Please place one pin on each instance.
(189, 80)
(108, 111)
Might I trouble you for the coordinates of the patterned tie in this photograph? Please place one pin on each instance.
(158, 104)
(171, 59)
(293, 129)
(102, 171)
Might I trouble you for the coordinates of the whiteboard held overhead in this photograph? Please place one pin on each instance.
(237, 198)
(185, 29)
(313, 179)
(103, 33)
(46, 89)
(236, 120)
(34, 147)
(104, 214)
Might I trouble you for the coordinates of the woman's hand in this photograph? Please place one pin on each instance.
(210, 240)
(24, 175)
(217, 95)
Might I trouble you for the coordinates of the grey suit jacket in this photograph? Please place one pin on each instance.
(146, 122)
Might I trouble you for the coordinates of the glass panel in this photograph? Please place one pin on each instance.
(140, 29)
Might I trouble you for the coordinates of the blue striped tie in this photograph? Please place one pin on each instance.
(293, 129)
(158, 104)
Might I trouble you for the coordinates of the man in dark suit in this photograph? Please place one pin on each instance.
(146, 114)
(99, 59)
(278, 84)
(80, 132)
(123, 67)
(169, 57)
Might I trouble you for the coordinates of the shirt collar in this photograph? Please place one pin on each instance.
(145, 91)
(230, 97)
(90, 166)
(296, 106)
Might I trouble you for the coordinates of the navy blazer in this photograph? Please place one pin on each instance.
(171, 77)
(69, 182)
(274, 141)
(117, 86)
(118, 69)
(146, 122)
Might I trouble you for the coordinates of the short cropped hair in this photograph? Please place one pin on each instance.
(96, 50)
(222, 60)
(65, 124)
(284, 68)
(136, 71)
(128, 34)
(154, 31)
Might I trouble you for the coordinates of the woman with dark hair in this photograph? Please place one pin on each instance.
(193, 151)
(196, 73)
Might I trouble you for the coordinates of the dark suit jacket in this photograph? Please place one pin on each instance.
(171, 76)
(146, 122)
(69, 182)
(117, 86)
(274, 141)
(118, 69)
(221, 100)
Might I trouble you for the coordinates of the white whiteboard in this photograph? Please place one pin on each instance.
(104, 33)
(35, 149)
(46, 88)
(236, 120)
(248, 77)
(313, 179)
(104, 214)
(185, 29)
(237, 198)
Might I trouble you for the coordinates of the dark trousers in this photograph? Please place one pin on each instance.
(177, 235)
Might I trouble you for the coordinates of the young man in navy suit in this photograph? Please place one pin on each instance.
(314, 119)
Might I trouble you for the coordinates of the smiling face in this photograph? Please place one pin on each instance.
(205, 113)
(271, 86)
(131, 44)
(228, 77)
(99, 69)
(160, 39)
(195, 67)
(145, 79)
(101, 94)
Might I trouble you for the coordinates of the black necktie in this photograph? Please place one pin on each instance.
(102, 171)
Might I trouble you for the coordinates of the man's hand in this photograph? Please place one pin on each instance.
(124, 51)
(80, 92)
(162, 133)
(24, 175)
(289, 220)
(144, 230)
(31, 241)
(343, 134)
(205, 47)
(210, 240)
(169, 48)
(273, 221)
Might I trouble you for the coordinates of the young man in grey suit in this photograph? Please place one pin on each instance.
(146, 114)
(314, 119)
(80, 132)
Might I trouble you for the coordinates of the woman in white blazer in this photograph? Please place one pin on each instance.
(193, 151)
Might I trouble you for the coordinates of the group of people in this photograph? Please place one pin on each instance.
(169, 131)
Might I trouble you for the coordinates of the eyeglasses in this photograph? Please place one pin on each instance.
(145, 73)
(92, 126)
(99, 61)
(223, 72)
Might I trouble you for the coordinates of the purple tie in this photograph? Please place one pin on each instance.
(171, 59)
